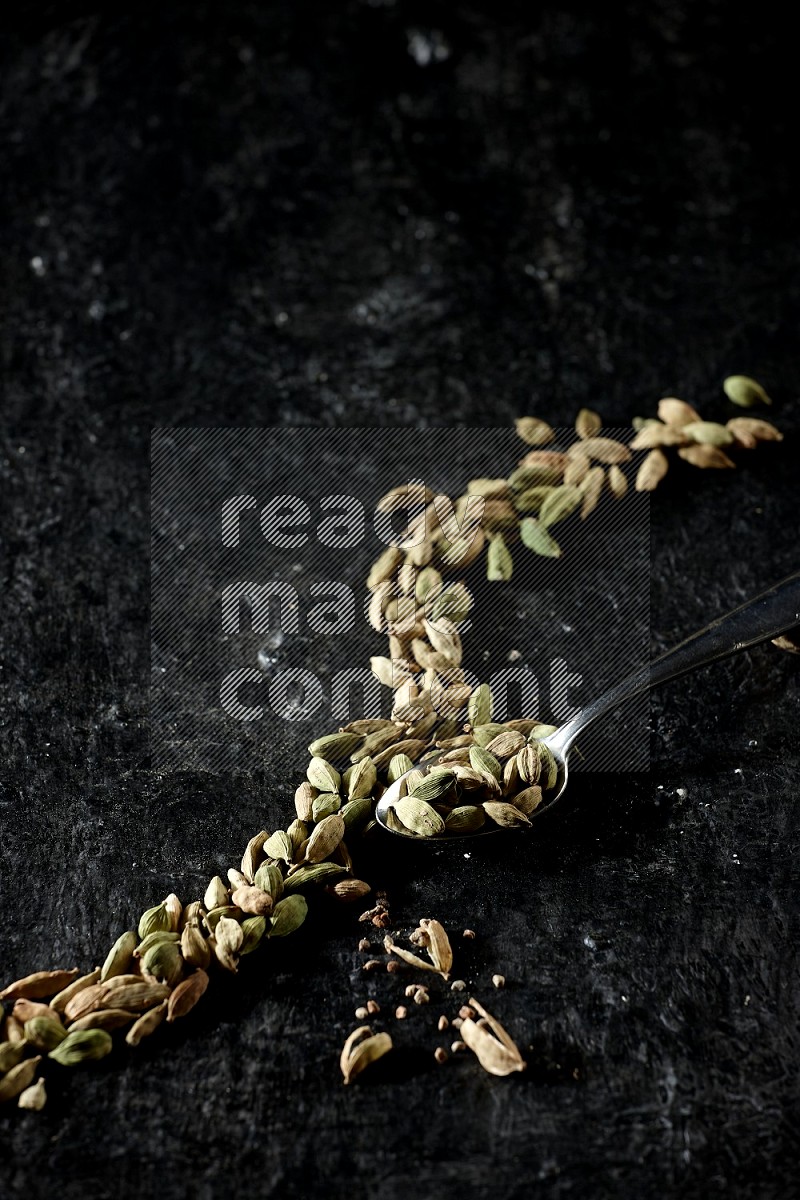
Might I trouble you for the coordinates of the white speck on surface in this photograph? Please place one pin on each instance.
(427, 47)
(590, 942)
(37, 266)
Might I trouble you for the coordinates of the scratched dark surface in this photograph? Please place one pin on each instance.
(384, 213)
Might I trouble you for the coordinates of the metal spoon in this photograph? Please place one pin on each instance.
(765, 616)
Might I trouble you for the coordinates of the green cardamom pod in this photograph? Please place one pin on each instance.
(334, 747)
(44, 1033)
(152, 939)
(356, 812)
(536, 538)
(323, 805)
(398, 765)
(164, 962)
(559, 505)
(482, 760)
(10, 1054)
(467, 818)
(323, 776)
(154, 919)
(433, 786)
(360, 779)
(253, 929)
(483, 734)
(289, 915)
(744, 391)
(419, 817)
(83, 1046)
(311, 873)
(268, 877)
(499, 563)
(119, 956)
(279, 845)
(479, 708)
(505, 815)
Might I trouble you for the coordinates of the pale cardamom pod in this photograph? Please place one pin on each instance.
(60, 1002)
(135, 996)
(506, 743)
(269, 878)
(174, 910)
(499, 563)
(253, 854)
(39, 985)
(587, 423)
(533, 431)
(325, 838)
(676, 412)
(323, 776)
(253, 900)
(146, 1024)
(104, 1018)
(33, 1097)
(705, 456)
(186, 995)
(362, 1048)
(303, 800)
(528, 800)
(652, 470)
(194, 947)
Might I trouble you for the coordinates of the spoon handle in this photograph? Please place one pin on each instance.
(765, 616)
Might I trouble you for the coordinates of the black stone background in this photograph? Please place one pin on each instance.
(564, 205)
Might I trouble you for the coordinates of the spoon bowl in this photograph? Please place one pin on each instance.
(766, 616)
(395, 792)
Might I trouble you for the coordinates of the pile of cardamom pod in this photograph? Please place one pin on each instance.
(441, 718)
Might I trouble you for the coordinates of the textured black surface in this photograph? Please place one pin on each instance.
(246, 214)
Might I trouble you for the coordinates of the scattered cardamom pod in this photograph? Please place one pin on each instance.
(744, 391)
(361, 1048)
(490, 1043)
